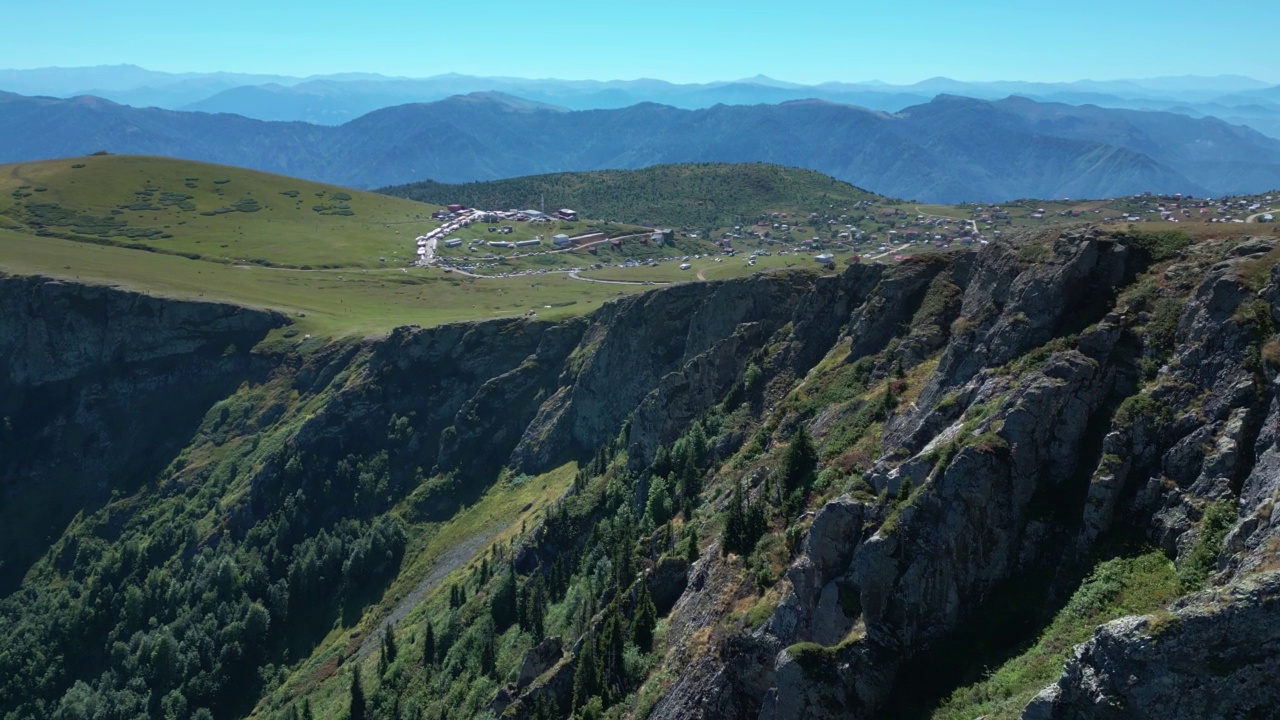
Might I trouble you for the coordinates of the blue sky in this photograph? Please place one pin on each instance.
(688, 41)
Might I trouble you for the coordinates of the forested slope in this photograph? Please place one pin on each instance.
(782, 496)
(691, 195)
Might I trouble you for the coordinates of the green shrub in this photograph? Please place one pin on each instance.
(1195, 568)
(1160, 245)
(1141, 405)
(817, 662)
(1116, 588)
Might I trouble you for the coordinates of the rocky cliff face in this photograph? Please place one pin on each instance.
(980, 418)
(1213, 655)
(99, 387)
(1094, 391)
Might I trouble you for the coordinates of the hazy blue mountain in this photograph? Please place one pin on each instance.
(949, 149)
(1213, 152)
(49, 127)
(64, 82)
(338, 98)
(332, 102)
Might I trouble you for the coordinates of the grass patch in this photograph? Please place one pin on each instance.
(817, 662)
(131, 196)
(1160, 244)
(332, 303)
(1118, 587)
(1195, 568)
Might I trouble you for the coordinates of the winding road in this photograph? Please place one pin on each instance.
(575, 276)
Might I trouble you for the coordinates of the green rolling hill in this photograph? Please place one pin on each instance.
(693, 195)
(207, 211)
(331, 258)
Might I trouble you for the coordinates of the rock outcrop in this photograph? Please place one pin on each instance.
(1060, 410)
(1212, 656)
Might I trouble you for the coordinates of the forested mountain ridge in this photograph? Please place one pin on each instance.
(947, 150)
(687, 195)
(781, 496)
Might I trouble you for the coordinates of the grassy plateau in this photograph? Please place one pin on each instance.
(189, 229)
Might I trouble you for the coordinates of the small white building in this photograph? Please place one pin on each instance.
(560, 240)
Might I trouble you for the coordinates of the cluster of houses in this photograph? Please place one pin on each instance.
(531, 216)
(1144, 207)
(1179, 208)
(455, 210)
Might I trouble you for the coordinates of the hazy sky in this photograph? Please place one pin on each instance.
(686, 41)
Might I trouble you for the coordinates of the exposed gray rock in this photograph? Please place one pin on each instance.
(52, 330)
(834, 535)
(537, 660)
(1216, 655)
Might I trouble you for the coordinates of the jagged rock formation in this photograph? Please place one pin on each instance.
(985, 416)
(1061, 452)
(1213, 656)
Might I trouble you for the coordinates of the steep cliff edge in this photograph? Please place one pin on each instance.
(99, 388)
(821, 484)
(1104, 389)
(1212, 655)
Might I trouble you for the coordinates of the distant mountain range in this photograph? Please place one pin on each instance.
(336, 99)
(945, 150)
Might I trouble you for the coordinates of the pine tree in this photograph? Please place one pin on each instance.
(689, 477)
(735, 524)
(692, 554)
(612, 643)
(904, 492)
(502, 605)
(801, 461)
(488, 656)
(586, 681)
(888, 403)
(646, 619)
(356, 710)
(306, 710)
(698, 442)
(544, 708)
(537, 610)
(388, 652)
(756, 523)
(428, 646)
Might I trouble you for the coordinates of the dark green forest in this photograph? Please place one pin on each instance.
(700, 195)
